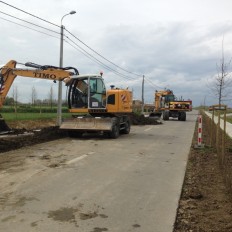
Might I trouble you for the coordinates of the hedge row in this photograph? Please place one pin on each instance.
(23, 109)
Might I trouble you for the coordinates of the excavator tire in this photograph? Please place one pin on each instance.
(165, 115)
(114, 133)
(182, 116)
(127, 125)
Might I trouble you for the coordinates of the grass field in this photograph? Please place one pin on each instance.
(228, 115)
(229, 119)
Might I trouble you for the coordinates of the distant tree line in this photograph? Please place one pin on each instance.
(12, 103)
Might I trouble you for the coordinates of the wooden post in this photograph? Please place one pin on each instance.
(223, 137)
(211, 129)
(218, 131)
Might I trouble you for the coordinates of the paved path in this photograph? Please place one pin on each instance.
(128, 184)
(228, 125)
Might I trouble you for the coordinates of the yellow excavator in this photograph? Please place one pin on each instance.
(92, 107)
(167, 105)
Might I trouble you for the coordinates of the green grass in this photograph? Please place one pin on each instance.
(229, 119)
(32, 116)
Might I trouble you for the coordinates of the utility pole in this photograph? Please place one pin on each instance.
(59, 107)
(142, 96)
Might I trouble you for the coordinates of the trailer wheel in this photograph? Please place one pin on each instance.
(126, 129)
(114, 133)
(166, 115)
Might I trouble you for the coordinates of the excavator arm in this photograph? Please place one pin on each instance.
(158, 98)
(9, 72)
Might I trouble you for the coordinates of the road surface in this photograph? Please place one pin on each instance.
(95, 184)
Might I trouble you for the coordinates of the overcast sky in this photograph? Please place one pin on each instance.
(176, 44)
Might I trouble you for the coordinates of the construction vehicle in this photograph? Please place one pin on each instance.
(167, 104)
(92, 107)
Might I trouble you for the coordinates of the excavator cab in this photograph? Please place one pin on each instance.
(169, 98)
(87, 93)
(96, 110)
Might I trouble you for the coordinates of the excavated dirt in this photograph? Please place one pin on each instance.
(205, 204)
(25, 133)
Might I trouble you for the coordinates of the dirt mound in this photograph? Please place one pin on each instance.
(22, 137)
(205, 204)
(31, 124)
(142, 120)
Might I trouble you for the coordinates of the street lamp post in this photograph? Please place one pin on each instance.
(59, 108)
(142, 96)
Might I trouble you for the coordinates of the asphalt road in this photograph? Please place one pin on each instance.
(95, 184)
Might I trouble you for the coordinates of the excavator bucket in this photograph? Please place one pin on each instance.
(155, 115)
(3, 126)
(87, 124)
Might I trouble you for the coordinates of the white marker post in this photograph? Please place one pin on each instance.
(199, 137)
(199, 143)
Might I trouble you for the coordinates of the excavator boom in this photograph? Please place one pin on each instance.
(9, 72)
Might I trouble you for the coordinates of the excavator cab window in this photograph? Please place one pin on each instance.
(169, 98)
(87, 92)
(78, 94)
(97, 93)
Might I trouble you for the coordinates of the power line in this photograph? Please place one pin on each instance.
(152, 84)
(89, 55)
(84, 52)
(102, 56)
(29, 22)
(29, 14)
(29, 28)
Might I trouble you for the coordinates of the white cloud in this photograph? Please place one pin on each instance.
(176, 44)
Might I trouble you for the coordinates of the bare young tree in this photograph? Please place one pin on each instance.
(33, 96)
(222, 82)
(51, 96)
(15, 96)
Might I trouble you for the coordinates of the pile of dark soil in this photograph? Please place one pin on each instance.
(22, 137)
(142, 120)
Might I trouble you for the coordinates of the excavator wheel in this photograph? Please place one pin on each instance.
(165, 115)
(182, 116)
(127, 125)
(114, 133)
